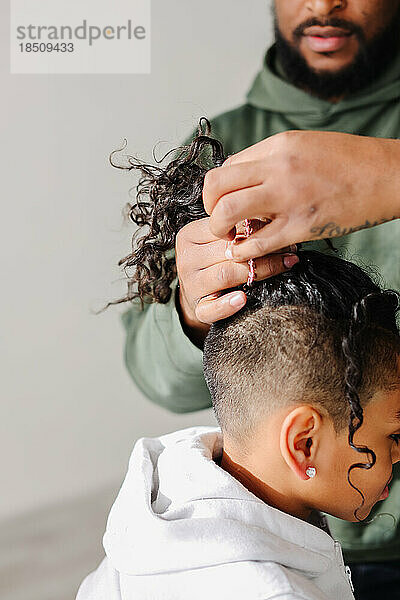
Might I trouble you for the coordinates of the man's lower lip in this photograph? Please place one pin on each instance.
(385, 493)
(326, 44)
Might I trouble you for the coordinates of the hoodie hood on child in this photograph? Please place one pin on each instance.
(182, 527)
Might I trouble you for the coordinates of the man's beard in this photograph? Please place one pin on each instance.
(371, 60)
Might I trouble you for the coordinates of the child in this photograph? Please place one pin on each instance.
(305, 384)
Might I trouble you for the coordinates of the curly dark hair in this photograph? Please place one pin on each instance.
(322, 321)
(167, 199)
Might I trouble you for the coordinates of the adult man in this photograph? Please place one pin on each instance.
(313, 152)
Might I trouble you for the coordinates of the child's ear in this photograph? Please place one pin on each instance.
(299, 439)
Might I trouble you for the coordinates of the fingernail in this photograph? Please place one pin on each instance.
(237, 300)
(228, 253)
(289, 260)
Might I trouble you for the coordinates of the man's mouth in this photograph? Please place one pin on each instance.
(326, 39)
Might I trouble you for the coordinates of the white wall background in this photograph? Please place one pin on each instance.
(69, 414)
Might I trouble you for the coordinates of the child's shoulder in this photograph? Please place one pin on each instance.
(272, 580)
(242, 580)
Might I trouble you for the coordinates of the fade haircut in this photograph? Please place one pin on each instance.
(314, 335)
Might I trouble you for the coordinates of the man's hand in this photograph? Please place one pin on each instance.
(204, 274)
(311, 185)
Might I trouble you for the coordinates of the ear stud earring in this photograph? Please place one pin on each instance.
(311, 472)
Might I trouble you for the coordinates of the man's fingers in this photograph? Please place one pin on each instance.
(237, 206)
(211, 309)
(213, 253)
(197, 232)
(266, 241)
(292, 249)
(199, 249)
(230, 274)
(215, 307)
(223, 180)
(255, 152)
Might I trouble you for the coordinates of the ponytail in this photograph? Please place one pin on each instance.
(167, 199)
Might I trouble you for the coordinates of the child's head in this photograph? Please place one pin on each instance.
(308, 374)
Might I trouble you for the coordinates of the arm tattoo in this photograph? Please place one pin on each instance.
(334, 230)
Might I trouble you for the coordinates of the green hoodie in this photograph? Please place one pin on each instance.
(163, 362)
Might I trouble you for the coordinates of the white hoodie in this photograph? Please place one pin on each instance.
(182, 528)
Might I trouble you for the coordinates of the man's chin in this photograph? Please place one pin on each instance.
(329, 78)
(328, 62)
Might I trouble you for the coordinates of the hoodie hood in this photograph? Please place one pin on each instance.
(179, 511)
(272, 92)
